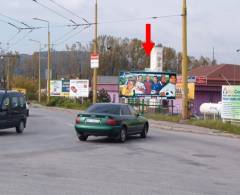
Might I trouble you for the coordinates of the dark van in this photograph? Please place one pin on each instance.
(13, 111)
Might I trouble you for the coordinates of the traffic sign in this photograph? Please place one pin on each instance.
(94, 61)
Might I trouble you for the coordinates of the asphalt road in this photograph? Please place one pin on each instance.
(49, 159)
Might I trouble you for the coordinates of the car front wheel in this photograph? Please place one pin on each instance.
(20, 127)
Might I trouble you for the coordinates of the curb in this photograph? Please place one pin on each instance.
(174, 127)
(56, 108)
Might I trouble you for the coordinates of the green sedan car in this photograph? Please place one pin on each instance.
(116, 121)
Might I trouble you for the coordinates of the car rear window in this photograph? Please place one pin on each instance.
(105, 109)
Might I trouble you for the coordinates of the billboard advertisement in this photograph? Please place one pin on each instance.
(55, 87)
(191, 91)
(147, 84)
(231, 102)
(65, 88)
(79, 88)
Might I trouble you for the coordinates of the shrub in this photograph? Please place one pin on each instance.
(103, 96)
(65, 102)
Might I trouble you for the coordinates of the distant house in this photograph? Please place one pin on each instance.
(209, 81)
(110, 84)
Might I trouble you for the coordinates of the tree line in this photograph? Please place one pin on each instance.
(116, 54)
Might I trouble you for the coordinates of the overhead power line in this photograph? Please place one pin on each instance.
(139, 19)
(71, 36)
(130, 20)
(16, 27)
(15, 20)
(13, 37)
(20, 39)
(16, 34)
(26, 26)
(69, 11)
(64, 35)
(3, 21)
(52, 10)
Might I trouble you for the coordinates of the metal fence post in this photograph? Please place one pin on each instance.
(143, 103)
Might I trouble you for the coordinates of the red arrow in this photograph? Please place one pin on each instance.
(148, 45)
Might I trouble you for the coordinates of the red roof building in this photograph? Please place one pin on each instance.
(209, 81)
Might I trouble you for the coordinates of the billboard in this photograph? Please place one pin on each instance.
(231, 102)
(65, 88)
(147, 84)
(79, 88)
(191, 79)
(191, 91)
(55, 87)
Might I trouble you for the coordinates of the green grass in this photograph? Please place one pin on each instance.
(211, 124)
(162, 117)
(216, 124)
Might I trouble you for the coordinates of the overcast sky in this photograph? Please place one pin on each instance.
(213, 23)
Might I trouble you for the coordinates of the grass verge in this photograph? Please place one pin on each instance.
(211, 124)
(217, 124)
(162, 117)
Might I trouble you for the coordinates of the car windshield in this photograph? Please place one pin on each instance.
(105, 109)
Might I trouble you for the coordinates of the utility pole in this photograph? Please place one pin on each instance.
(39, 69)
(39, 74)
(94, 86)
(49, 58)
(49, 63)
(184, 63)
(8, 73)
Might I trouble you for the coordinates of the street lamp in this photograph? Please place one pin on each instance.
(238, 50)
(2, 78)
(39, 70)
(49, 58)
(8, 71)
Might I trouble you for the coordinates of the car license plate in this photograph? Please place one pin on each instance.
(90, 120)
